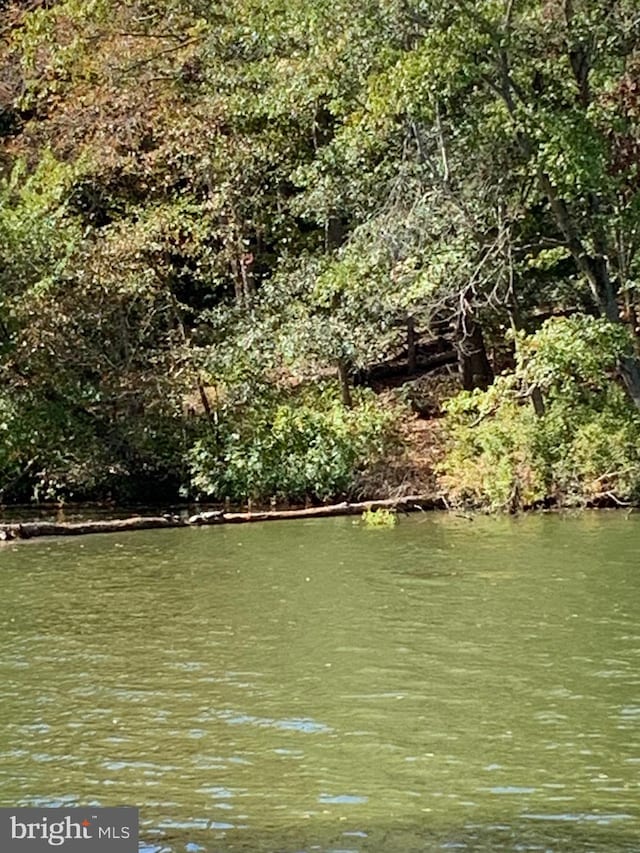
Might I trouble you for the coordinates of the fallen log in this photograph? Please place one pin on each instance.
(411, 503)
(35, 529)
(378, 373)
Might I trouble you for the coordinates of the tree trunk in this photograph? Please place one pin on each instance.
(246, 273)
(345, 387)
(334, 234)
(473, 364)
(629, 367)
(238, 284)
(411, 346)
(537, 401)
(535, 394)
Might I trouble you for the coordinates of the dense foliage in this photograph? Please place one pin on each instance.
(291, 449)
(585, 445)
(214, 217)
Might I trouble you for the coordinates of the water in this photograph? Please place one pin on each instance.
(316, 686)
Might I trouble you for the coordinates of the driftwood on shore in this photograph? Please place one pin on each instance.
(34, 529)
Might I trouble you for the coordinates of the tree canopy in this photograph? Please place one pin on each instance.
(218, 220)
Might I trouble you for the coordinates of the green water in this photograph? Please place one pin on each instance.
(317, 686)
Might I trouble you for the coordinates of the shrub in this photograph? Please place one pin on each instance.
(299, 446)
(53, 450)
(585, 446)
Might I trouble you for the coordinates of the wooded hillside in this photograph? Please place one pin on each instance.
(226, 228)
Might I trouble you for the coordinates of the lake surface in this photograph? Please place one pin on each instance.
(318, 686)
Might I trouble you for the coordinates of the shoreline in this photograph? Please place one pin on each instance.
(14, 532)
(24, 531)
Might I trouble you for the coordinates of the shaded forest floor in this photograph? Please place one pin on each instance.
(414, 469)
(414, 472)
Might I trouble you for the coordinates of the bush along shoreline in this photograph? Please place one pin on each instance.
(558, 430)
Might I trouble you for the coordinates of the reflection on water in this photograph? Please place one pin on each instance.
(316, 686)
